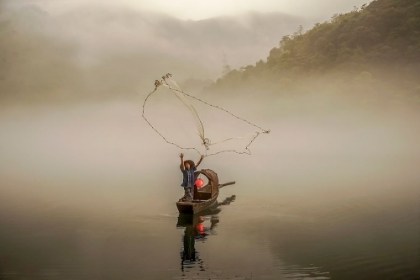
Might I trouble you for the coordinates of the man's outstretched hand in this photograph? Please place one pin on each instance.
(181, 155)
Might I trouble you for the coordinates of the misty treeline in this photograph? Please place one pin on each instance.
(369, 57)
(33, 65)
(94, 52)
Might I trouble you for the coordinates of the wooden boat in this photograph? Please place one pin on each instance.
(205, 197)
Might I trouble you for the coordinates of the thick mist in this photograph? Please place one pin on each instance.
(97, 52)
(93, 175)
(52, 152)
(88, 189)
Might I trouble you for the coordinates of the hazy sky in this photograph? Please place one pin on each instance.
(200, 9)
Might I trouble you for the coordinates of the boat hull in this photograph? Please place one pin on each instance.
(195, 206)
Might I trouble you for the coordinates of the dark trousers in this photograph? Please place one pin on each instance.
(188, 194)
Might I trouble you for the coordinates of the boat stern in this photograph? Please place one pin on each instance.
(185, 207)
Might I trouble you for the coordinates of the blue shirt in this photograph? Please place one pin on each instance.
(188, 178)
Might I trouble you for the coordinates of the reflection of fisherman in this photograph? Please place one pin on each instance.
(188, 168)
(195, 230)
(188, 254)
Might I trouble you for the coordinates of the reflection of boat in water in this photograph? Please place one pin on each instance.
(196, 230)
(204, 198)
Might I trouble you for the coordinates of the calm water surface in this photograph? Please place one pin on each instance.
(90, 194)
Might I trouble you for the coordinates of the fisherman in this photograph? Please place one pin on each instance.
(188, 168)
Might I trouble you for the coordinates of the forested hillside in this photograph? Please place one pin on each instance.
(384, 32)
(374, 49)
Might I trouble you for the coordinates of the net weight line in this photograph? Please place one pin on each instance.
(205, 141)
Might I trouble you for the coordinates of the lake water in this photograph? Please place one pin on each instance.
(89, 193)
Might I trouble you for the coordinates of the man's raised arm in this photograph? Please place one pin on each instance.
(198, 163)
(182, 162)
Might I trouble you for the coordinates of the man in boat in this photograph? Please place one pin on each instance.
(188, 168)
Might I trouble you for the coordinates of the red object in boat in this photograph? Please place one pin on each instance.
(199, 182)
(200, 229)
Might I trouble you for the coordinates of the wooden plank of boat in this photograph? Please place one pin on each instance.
(227, 184)
(195, 206)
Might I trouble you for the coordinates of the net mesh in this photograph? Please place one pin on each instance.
(207, 145)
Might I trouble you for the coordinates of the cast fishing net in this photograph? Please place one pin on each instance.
(175, 124)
